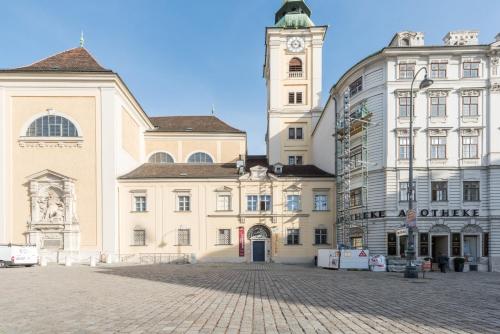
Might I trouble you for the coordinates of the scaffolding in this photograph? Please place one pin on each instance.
(352, 169)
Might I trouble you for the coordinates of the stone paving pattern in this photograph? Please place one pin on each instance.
(241, 298)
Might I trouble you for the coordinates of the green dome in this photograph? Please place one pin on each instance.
(293, 14)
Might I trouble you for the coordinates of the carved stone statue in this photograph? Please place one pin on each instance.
(53, 207)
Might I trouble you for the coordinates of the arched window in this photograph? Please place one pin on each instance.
(405, 42)
(295, 65)
(161, 158)
(200, 158)
(52, 126)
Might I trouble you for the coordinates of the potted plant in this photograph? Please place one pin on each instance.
(458, 263)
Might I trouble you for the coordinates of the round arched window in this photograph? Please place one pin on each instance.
(200, 158)
(161, 158)
(295, 65)
(52, 126)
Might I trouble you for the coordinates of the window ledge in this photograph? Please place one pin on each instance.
(321, 210)
(293, 245)
(182, 245)
(138, 245)
(223, 210)
(51, 142)
(224, 245)
(327, 244)
(180, 211)
(139, 211)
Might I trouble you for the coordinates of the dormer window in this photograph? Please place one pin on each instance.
(278, 169)
(405, 42)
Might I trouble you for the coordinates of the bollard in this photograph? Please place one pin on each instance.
(67, 261)
(93, 261)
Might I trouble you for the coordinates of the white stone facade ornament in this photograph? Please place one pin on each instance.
(439, 228)
(437, 93)
(259, 232)
(495, 66)
(472, 228)
(470, 92)
(53, 224)
(495, 87)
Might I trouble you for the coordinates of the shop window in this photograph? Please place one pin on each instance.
(486, 244)
(391, 244)
(424, 244)
(455, 244)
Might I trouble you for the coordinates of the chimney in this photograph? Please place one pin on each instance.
(461, 37)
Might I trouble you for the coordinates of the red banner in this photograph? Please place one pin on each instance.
(242, 241)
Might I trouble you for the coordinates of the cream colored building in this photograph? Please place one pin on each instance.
(84, 171)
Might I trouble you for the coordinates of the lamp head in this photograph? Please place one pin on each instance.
(426, 82)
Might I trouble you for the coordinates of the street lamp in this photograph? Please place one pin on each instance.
(411, 270)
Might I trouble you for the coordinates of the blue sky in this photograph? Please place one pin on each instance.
(179, 57)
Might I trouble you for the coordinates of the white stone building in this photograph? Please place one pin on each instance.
(456, 143)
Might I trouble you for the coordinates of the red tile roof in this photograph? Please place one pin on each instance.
(192, 124)
(73, 60)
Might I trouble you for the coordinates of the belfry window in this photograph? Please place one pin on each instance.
(295, 68)
(52, 126)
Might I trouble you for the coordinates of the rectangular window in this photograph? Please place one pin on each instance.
(140, 203)
(184, 203)
(292, 236)
(455, 245)
(438, 147)
(438, 70)
(356, 86)
(295, 98)
(295, 133)
(403, 191)
(486, 244)
(404, 148)
(223, 202)
(471, 69)
(252, 202)
(139, 237)
(439, 191)
(424, 244)
(224, 237)
(293, 202)
(265, 203)
(406, 70)
(471, 191)
(438, 106)
(391, 244)
(295, 160)
(404, 106)
(320, 236)
(470, 106)
(184, 237)
(470, 147)
(356, 197)
(357, 158)
(320, 202)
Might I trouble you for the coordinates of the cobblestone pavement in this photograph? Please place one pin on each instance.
(243, 299)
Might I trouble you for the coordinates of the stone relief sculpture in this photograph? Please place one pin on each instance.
(51, 207)
(53, 223)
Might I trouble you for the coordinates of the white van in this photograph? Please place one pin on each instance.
(18, 255)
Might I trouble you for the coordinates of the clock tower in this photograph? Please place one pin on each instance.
(293, 73)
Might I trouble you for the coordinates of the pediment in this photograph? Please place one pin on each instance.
(48, 175)
(258, 173)
(223, 189)
(293, 188)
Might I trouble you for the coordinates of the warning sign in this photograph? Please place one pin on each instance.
(362, 253)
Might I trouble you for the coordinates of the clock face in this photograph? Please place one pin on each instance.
(295, 44)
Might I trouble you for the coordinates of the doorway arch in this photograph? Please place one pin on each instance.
(260, 243)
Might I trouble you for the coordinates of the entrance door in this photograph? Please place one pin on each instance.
(439, 246)
(259, 251)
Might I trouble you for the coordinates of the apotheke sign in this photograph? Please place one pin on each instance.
(420, 213)
(444, 213)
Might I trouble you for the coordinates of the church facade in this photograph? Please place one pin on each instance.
(84, 171)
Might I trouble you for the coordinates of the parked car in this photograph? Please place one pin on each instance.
(18, 255)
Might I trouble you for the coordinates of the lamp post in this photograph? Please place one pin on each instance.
(411, 270)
